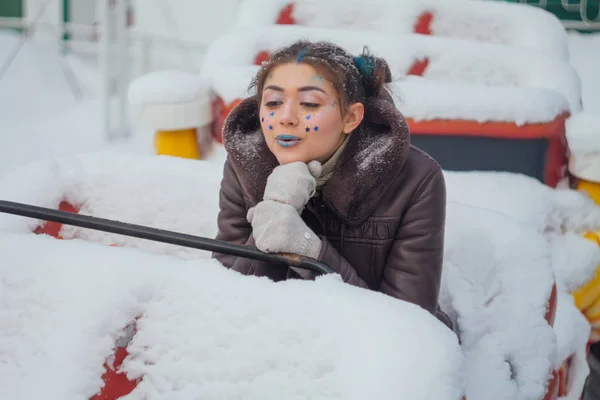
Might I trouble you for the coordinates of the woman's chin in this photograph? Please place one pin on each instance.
(286, 157)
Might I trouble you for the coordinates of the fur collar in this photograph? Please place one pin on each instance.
(372, 159)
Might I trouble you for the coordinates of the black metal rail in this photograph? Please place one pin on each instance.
(161, 235)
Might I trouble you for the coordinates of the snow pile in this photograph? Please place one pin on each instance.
(583, 132)
(425, 100)
(206, 331)
(583, 135)
(572, 334)
(166, 87)
(496, 22)
(62, 305)
(561, 216)
(525, 199)
(171, 100)
(575, 259)
(453, 60)
(162, 192)
(497, 281)
(586, 60)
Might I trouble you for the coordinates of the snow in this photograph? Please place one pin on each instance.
(561, 216)
(584, 56)
(583, 132)
(425, 100)
(583, 136)
(231, 83)
(525, 199)
(496, 295)
(498, 275)
(575, 259)
(67, 300)
(207, 331)
(496, 67)
(42, 112)
(583, 129)
(159, 191)
(572, 334)
(168, 86)
(496, 22)
(171, 100)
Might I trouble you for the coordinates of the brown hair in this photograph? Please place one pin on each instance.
(355, 78)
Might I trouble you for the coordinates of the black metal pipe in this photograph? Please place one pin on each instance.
(161, 235)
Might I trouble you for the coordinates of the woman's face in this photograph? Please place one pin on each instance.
(300, 114)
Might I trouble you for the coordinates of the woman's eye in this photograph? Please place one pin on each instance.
(310, 105)
(273, 103)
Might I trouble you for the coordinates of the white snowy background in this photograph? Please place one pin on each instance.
(62, 303)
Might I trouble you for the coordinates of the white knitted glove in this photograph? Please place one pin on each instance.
(278, 228)
(293, 183)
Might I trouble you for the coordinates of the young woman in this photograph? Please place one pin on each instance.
(320, 164)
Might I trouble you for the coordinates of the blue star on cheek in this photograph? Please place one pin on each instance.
(307, 129)
(316, 128)
(270, 127)
(308, 117)
(272, 113)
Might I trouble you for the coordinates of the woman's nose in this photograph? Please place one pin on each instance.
(289, 115)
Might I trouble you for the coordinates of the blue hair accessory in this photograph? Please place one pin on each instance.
(365, 65)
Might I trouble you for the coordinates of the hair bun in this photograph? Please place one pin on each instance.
(374, 71)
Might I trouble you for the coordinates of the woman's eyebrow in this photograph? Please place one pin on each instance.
(300, 89)
(273, 87)
(309, 88)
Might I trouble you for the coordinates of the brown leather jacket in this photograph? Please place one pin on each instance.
(380, 217)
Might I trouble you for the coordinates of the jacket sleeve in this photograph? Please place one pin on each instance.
(233, 227)
(414, 265)
(413, 269)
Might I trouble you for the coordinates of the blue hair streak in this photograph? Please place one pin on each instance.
(300, 56)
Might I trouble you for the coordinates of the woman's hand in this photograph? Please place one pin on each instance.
(278, 228)
(293, 183)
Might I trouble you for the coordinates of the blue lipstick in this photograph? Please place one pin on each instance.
(287, 140)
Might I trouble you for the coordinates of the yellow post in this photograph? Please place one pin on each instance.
(178, 143)
(592, 188)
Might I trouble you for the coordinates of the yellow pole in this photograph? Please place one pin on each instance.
(592, 188)
(178, 143)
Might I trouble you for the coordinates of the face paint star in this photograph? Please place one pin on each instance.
(308, 117)
(262, 119)
(270, 127)
(272, 113)
(316, 128)
(307, 129)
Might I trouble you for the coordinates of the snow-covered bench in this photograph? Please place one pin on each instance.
(532, 114)
(501, 299)
(563, 216)
(207, 332)
(496, 22)
(433, 57)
